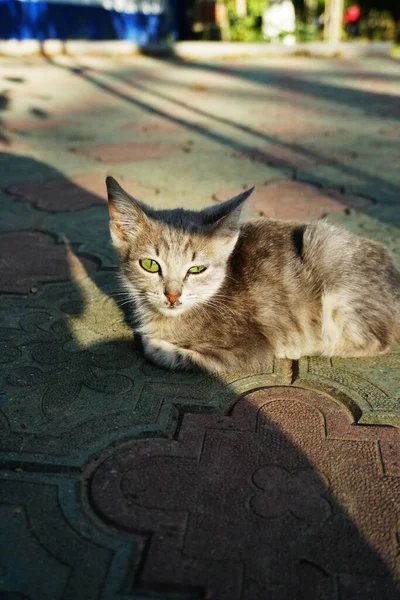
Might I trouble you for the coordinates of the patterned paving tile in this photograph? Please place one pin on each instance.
(279, 156)
(305, 494)
(369, 387)
(74, 380)
(71, 194)
(49, 549)
(288, 199)
(17, 216)
(125, 152)
(235, 504)
(153, 126)
(30, 258)
(88, 228)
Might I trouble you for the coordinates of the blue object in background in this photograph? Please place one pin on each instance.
(67, 21)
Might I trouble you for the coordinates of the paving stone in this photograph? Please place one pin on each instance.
(71, 194)
(185, 183)
(235, 504)
(88, 228)
(49, 549)
(63, 194)
(14, 146)
(369, 387)
(16, 216)
(31, 258)
(17, 170)
(295, 200)
(290, 130)
(355, 181)
(279, 156)
(34, 125)
(300, 489)
(385, 213)
(153, 126)
(125, 152)
(73, 379)
(276, 109)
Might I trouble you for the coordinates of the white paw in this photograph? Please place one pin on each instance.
(162, 353)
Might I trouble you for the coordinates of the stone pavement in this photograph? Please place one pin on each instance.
(121, 480)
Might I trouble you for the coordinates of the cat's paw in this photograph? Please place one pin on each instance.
(163, 353)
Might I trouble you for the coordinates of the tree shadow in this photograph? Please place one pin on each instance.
(271, 78)
(370, 102)
(283, 497)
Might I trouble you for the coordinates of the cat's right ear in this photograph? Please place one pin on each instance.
(127, 214)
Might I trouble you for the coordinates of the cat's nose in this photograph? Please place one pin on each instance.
(173, 298)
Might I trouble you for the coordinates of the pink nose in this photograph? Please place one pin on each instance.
(173, 298)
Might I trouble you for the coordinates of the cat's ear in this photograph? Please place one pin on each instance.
(224, 220)
(127, 214)
(225, 217)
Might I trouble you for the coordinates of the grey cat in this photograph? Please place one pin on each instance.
(211, 293)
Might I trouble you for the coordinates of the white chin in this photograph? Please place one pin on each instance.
(172, 312)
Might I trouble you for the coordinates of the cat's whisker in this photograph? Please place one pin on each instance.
(124, 303)
(120, 297)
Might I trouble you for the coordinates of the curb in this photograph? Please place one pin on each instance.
(192, 50)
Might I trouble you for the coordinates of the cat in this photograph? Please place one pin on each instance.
(222, 296)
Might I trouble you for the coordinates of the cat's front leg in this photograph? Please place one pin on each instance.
(170, 356)
(165, 354)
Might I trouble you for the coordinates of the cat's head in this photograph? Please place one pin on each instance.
(172, 260)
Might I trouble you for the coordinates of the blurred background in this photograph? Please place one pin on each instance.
(149, 21)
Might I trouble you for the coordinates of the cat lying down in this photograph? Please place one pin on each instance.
(214, 294)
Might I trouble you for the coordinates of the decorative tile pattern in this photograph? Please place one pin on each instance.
(370, 387)
(48, 548)
(236, 503)
(294, 200)
(29, 259)
(73, 379)
(283, 498)
(125, 152)
(72, 194)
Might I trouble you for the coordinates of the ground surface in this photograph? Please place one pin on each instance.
(120, 480)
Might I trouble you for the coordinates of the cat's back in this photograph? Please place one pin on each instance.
(343, 258)
(322, 287)
(331, 256)
(272, 240)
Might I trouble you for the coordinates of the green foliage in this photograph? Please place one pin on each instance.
(254, 7)
(249, 28)
(378, 25)
(246, 29)
(307, 32)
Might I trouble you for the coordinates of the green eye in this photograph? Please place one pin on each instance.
(149, 265)
(197, 269)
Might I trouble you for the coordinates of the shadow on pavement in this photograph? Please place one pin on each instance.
(382, 104)
(281, 498)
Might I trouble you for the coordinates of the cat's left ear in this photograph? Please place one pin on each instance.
(224, 221)
(224, 218)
